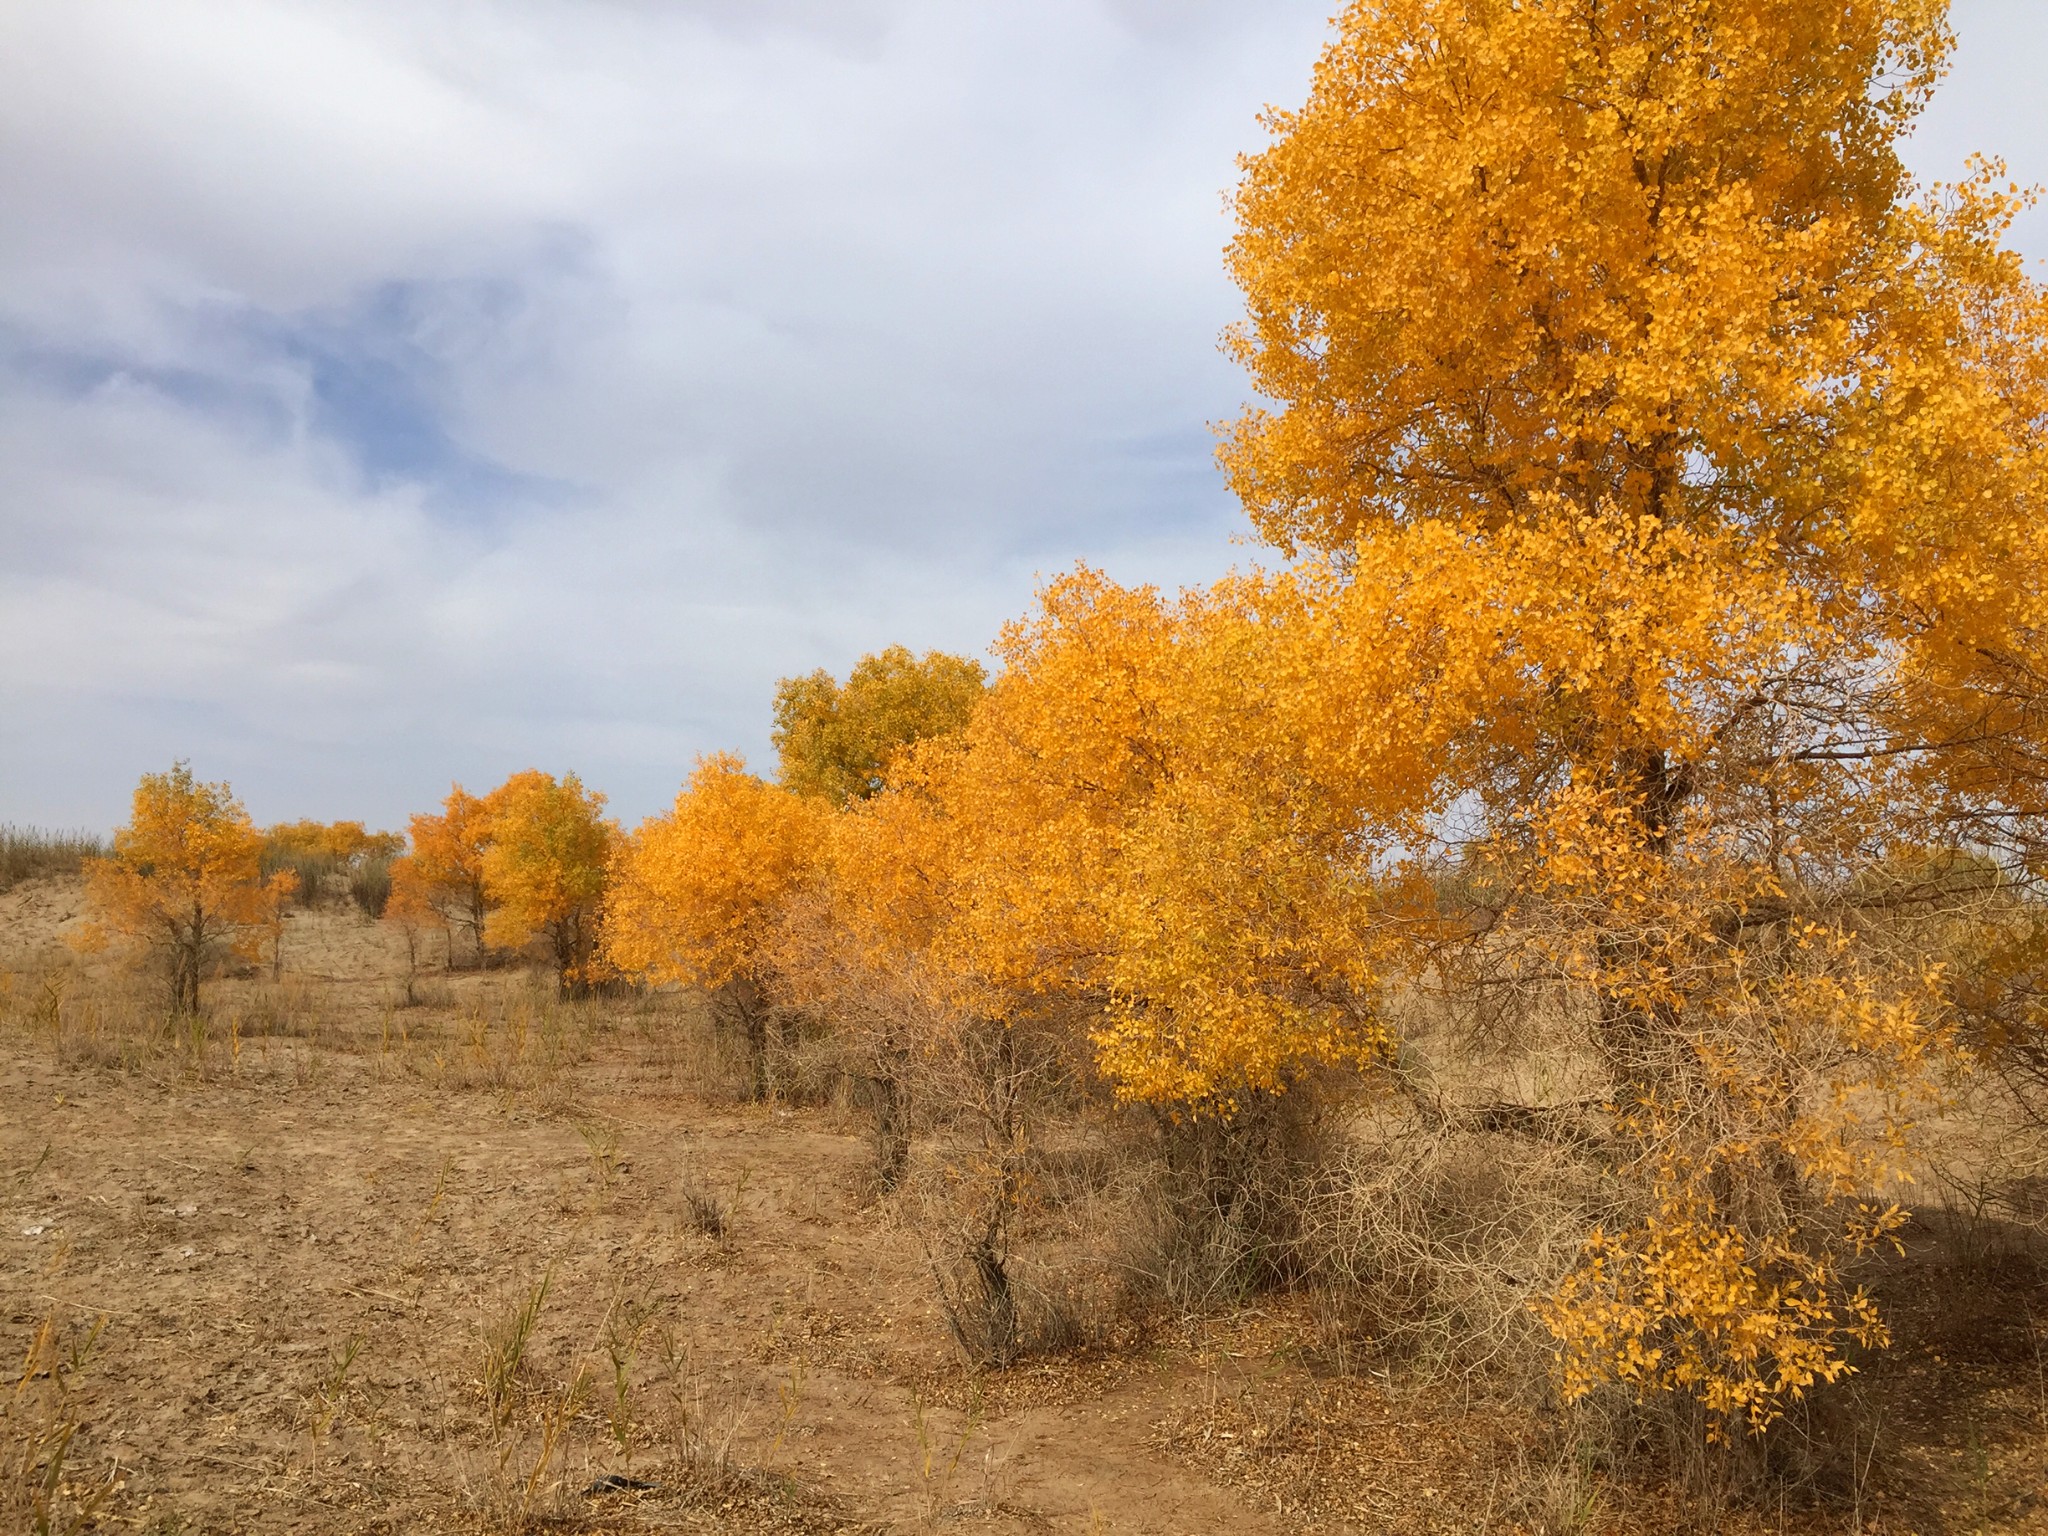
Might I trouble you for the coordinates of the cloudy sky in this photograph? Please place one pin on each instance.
(398, 391)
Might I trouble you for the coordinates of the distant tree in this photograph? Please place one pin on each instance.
(343, 841)
(837, 741)
(444, 873)
(698, 892)
(544, 870)
(184, 878)
(410, 912)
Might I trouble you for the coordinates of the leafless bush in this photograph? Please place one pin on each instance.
(988, 1084)
(1222, 1216)
(1434, 1241)
(705, 1209)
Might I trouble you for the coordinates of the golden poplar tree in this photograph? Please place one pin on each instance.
(696, 894)
(184, 878)
(1668, 473)
(443, 876)
(546, 858)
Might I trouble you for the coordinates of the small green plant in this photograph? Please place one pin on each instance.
(554, 1424)
(935, 1463)
(790, 1392)
(38, 1424)
(624, 1324)
(440, 1193)
(27, 1176)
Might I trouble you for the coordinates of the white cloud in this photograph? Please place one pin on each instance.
(400, 390)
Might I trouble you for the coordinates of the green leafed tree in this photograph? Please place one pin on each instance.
(836, 740)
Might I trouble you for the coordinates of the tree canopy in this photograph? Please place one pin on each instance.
(836, 741)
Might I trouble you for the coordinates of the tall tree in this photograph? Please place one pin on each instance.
(837, 740)
(1668, 466)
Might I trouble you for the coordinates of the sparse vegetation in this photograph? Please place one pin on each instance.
(27, 853)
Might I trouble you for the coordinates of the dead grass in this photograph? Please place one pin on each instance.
(30, 853)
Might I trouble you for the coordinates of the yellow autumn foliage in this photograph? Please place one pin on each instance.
(1663, 481)
(184, 878)
(545, 858)
(1674, 471)
(696, 890)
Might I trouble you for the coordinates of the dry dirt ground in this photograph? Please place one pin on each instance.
(492, 1263)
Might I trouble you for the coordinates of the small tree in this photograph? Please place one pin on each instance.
(445, 870)
(698, 892)
(412, 915)
(184, 878)
(837, 741)
(544, 870)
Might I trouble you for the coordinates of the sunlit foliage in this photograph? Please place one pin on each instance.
(183, 879)
(696, 892)
(443, 875)
(1675, 469)
(342, 841)
(546, 855)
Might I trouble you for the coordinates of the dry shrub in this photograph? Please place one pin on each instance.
(1222, 1218)
(986, 1089)
(29, 853)
(318, 876)
(43, 1487)
(84, 1017)
(864, 1022)
(1431, 1243)
(524, 1045)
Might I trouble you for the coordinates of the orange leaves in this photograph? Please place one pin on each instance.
(188, 847)
(697, 891)
(544, 865)
(1677, 484)
(1125, 820)
(339, 840)
(528, 860)
(1648, 261)
(1744, 1320)
(184, 875)
(444, 874)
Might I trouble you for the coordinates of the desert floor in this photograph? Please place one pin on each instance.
(274, 1273)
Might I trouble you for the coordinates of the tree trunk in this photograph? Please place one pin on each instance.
(742, 1004)
(892, 1123)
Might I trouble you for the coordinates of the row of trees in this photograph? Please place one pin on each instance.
(191, 877)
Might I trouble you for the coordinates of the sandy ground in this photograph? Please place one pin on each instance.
(265, 1273)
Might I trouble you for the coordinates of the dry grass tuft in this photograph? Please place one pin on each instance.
(29, 853)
